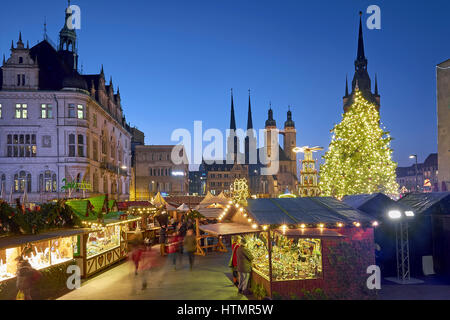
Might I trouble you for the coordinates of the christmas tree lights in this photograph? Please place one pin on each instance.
(359, 157)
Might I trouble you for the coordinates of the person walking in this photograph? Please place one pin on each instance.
(162, 240)
(244, 260)
(174, 248)
(136, 255)
(190, 245)
(26, 278)
(233, 260)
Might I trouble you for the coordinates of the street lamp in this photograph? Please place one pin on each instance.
(414, 156)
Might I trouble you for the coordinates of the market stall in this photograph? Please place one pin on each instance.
(104, 244)
(41, 250)
(300, 245)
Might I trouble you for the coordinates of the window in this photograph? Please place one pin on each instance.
(95, 150)
(47, 182)
(80, 145)
(46, 111)
(21, 111)
(80, 112)
(20, 60)
(71, 145)
(23, 79)
(3, 183)
(22, 182)
(71, 111)
(21, 145)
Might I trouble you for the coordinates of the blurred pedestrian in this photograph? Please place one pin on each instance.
(233, 260)
(174, 248)
(190, 245)
(162, 239)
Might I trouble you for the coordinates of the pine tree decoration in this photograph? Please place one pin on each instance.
(359, 158)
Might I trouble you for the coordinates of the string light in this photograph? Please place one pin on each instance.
(264, 228)
(302, 226)
(321, 225)
(340, 224)
(359, 157)
(375, 224)
(254, 226)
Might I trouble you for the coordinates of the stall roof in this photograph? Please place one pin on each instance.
(428, 203)
(310, 233)
(210, 212)
(15, 241)
(226, 229)
(377, 204)
(309, 210)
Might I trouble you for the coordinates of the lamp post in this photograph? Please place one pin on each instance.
(414, 156)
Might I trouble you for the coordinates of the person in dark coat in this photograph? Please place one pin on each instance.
(233, 260)
(25, 277)
(244, 266)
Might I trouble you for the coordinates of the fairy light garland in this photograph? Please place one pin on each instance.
(359, 157)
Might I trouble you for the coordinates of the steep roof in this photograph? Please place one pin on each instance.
(377, 204)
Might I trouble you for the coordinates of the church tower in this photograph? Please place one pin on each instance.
(290, 137)
(250, 139)
(67, 48)
(271, 132)
(361, 77)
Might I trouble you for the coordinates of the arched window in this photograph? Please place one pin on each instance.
(47, 182)
(22, 180)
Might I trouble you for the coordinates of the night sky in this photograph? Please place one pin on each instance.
(175, 61)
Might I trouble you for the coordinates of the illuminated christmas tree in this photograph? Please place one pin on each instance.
(359, 158)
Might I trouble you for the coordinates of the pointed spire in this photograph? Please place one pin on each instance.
(360, 53)
(102, 73)
(232, 119)
(12, 44)
(249, 117)
(45, 28)
(4, 61)
(376, 85)
(346, 86)
(20, 36)
(28, 45)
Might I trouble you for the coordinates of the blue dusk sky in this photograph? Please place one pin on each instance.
(176, 60)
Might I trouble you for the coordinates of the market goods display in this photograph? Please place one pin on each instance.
(291, 259)
(104, 240)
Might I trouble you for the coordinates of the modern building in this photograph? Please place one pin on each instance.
(427, 176)
(443, 113)
(197, 182)
(156, 172)
(57, 123)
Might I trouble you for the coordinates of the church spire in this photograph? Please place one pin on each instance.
(249, 118)
(270, 122)
(346, 86)
(376, 85)
(360, 53)
(232, 119)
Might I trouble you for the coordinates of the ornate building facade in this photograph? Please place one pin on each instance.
(56, 123)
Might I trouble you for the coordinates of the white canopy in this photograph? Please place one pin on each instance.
(184, 207)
